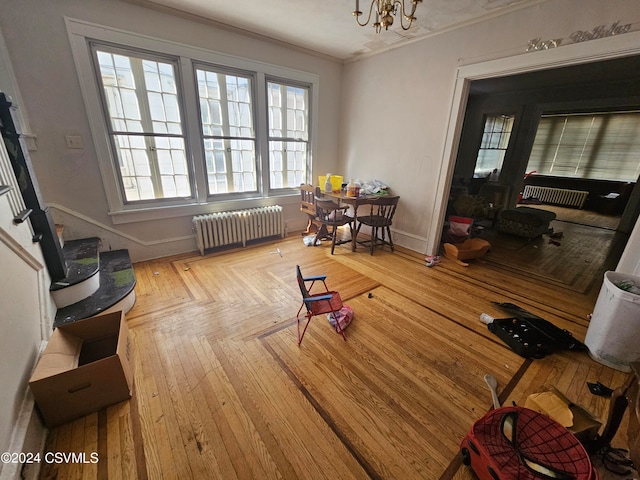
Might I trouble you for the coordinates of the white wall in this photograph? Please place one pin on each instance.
(38, 45)
(25, 321)
(396, 125)
(21, 334)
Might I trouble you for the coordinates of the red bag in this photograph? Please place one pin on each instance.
(460, 226)
(345, 316)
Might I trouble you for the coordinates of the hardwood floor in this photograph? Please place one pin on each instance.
(223, 391)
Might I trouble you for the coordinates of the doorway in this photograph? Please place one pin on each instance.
(523, 76)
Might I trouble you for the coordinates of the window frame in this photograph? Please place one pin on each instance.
(216, 197)
(147, 134)
(82, 33)
(504, 145)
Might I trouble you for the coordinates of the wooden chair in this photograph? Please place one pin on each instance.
(625, 396)
(316, 303)
(308, 206)
(380, 219)
(330, 214)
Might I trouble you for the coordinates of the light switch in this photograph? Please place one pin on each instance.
(74, 141)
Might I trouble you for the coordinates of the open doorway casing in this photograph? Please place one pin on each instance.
(576, 54)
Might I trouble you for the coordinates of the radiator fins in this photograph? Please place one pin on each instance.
(556, 196)
(238, 226)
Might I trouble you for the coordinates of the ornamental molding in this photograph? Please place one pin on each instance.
(601, 31)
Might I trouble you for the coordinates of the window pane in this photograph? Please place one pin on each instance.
(218, 93)
(140, 157)
(119, 87)
(145, 188)
(164, 162)
(164, 112)
(232, 163)
(294, 112)
(141, 98)
(287, 164)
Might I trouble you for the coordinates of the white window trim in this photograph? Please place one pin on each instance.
(81, 32)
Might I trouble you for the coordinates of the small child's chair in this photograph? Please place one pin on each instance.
(317, 303)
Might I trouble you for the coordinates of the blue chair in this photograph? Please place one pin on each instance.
(317, 303)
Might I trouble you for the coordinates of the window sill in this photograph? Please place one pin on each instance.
(145, 214)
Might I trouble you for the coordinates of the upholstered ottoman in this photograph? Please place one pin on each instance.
(524, 222)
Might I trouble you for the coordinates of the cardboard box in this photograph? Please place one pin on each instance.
(577, 420)
(86, 366)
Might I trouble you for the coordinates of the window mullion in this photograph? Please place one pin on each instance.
(153, 167)
(284, 108)
(224, 108)
(192, 132)
(262, 134)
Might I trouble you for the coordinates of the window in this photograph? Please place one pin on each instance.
(495, 140)
(177, 128)
(144, 124)
(288, 134)
(228, 132)
(141, 94)
(596, 145)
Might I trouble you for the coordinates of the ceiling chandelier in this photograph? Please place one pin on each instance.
(385, 11)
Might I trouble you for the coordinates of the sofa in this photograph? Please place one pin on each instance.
(524, 222)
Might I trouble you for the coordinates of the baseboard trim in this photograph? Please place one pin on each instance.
(29, 436)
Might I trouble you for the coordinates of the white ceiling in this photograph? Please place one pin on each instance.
(328, 26)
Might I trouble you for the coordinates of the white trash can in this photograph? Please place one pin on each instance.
(613, 336)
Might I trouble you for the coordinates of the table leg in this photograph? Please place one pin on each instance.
(354, 231)
(323, 232)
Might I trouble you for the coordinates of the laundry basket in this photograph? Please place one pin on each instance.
(613, 336)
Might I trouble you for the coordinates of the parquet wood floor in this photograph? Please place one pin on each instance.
(223, 391)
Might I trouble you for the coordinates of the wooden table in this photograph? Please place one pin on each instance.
(352, 202)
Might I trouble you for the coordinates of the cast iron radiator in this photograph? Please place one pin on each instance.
(556, 196)
(238, 226)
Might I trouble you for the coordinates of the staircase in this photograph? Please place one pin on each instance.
(86, 282)
(96, 282)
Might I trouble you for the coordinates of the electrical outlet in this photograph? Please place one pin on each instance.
(74, 141)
